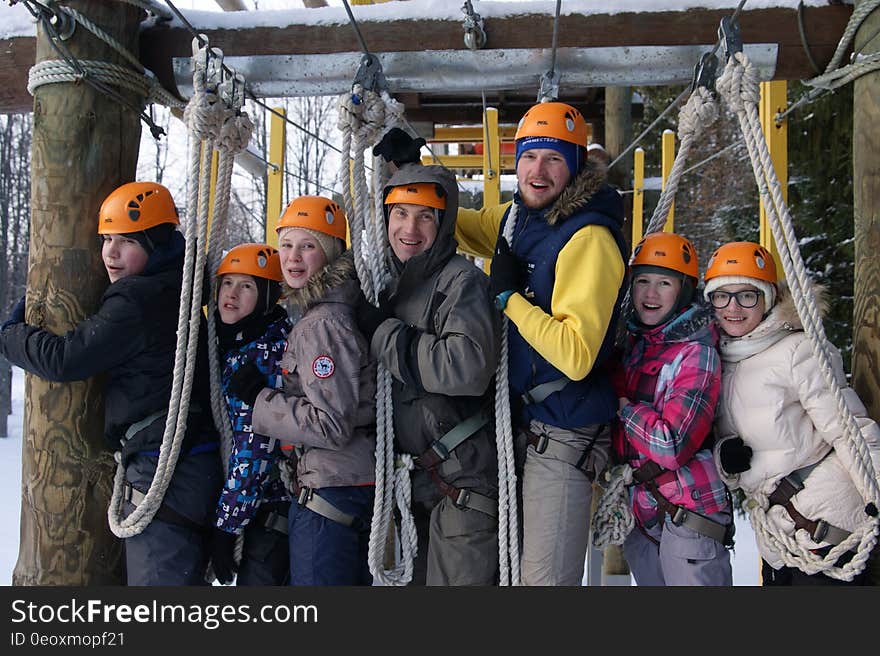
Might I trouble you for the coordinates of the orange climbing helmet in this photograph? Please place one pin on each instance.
(742, 258)
(553, 119)
(428, 194)
(667, 250)
(259, 260)
(135, 207)
(314, 213)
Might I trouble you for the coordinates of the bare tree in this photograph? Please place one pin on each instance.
(15, 174)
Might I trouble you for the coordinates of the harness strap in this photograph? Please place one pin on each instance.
(818, 529)
(649, 474)
(272, 520)
(442, 447)
(465, 499)
(540, 392)
(320, 506)
(165, 513)
(138, 426)
(561, 451)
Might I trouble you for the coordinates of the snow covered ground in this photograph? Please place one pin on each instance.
(745, 557)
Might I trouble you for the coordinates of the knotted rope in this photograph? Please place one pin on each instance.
(363, 117)
(204, 117)
(508, 510)
(739, 85)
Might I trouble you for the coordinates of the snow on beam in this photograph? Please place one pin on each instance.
(415, 27)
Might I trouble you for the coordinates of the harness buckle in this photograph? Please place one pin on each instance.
(821, 531)
(464, 497)
(679, 516)
(305, 495)
(543, 443)
(440, 450)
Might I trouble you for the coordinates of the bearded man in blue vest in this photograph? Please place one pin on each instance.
(559, 281)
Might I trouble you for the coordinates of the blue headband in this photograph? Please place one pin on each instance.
(569, 151)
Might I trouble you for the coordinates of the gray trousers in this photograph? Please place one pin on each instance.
(556, 500)
(456, 547)
(684, 556)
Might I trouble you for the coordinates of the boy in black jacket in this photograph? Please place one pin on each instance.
(132, 339)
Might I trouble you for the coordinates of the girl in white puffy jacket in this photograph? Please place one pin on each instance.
(780, 435)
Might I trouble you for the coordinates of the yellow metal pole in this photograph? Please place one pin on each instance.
(638, 225)
(491, 159)
(275, 174)
(773, 101)
(668, 150)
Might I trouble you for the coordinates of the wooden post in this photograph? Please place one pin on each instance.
(638, 213)
(773, 101)
(84, 146)
(491, 159)
(275, 172)
(618, 131)
(866, 210)
(668, 159)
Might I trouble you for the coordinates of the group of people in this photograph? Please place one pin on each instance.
(715, 387)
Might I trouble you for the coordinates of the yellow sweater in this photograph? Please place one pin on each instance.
(589, 273)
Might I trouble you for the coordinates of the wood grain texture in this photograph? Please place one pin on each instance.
(84, 146)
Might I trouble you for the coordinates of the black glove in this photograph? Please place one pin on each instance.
(399, 147)
(369, 317)
(247, 382)
(223, 555)
(17, 314)
(735, 456)
(506, 275)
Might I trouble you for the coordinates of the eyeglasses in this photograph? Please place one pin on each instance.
(747, 298)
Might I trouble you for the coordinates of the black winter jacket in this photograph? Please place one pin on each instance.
(132, 339)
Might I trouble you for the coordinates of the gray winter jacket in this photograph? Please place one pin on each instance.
(442, 348)
(327, 403)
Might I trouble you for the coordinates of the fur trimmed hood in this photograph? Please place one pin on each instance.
(333, 276)
(577, 193)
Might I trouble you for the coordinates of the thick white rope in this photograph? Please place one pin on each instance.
(233, 139)
(836, 76)
(508, 508)
(204, 118)
(362, 122)
(739, 85)
(54, 71)
(613, 518)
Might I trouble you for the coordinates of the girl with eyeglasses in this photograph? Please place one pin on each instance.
(777, 422)
(668, 387)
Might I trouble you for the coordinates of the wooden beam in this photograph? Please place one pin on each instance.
(823, 26)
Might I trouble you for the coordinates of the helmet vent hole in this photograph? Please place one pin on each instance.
(134, 215)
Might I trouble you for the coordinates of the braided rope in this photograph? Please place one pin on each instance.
(55, 71)
(739, 85)
(508, 511)
(858, 16)
(613, 519)
(362, 123)
(698, 112)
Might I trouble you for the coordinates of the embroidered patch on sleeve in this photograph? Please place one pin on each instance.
(323, 366)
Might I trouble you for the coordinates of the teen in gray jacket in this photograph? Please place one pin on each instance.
(436, 333)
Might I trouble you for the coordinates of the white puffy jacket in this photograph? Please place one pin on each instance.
(775, 398)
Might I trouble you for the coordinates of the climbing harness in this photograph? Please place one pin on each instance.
(648, 475)
(577, 458)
